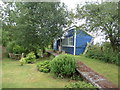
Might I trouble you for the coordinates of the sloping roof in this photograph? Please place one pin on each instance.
(76, 28)
(69, 33)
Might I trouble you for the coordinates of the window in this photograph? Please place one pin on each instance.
(68, 41)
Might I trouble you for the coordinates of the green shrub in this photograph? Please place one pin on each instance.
(18, 49)
(12, 47)
(51, 57)
(76, 76)
(30, 58)
(63, 65)
(80, 84)
(22, 61)
(104, 53)
(45, 54)
(44, 66)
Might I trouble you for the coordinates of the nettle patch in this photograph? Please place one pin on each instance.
(30, 58)
(44, 66)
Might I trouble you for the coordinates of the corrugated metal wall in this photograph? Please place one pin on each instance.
(69, 50)
(81, 42)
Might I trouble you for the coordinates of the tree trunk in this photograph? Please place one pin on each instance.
(113, 43)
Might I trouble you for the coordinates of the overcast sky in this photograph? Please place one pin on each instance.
(72, 3)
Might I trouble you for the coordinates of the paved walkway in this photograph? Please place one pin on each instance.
(93, 77)
(52, 52)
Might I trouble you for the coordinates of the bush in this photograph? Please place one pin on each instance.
(104, 53)
(22, 61)
(18, 49)
(30, 58)
(80, 84)
(44, 66)
(51, 57)
(76, 76)
(12, 47)
(63, 65)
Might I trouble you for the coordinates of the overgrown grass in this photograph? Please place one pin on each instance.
(27, 76)
(110, 71)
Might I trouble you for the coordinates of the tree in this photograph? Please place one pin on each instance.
(36, 25)
(102, 17)
(7, 23)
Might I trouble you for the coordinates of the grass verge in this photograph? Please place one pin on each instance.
(110, 71)
(27, 76)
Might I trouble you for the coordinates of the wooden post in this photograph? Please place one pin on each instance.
(22, 56)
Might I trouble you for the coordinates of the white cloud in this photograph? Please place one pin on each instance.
(72, 3)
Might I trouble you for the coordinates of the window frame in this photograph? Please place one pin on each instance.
(69, 41)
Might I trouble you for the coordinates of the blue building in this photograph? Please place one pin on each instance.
(73, 42)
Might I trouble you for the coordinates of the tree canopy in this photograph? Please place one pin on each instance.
(101, 17)
(37, 24)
